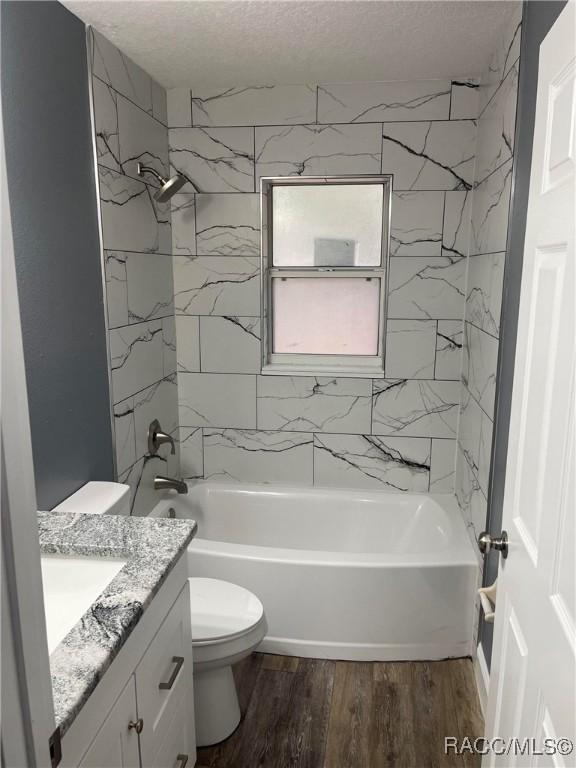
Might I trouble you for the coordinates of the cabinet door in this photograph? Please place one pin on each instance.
(177, 749)
(116, 745)
(164, 680)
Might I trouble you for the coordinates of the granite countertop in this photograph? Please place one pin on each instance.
(152, 547)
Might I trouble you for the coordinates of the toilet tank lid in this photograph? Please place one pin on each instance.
(98, 498)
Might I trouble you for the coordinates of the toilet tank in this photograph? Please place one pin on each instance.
(98, 498)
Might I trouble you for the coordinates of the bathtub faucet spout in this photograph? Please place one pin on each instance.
(169, 483)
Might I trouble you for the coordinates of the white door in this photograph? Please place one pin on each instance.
(116, 745)
(532, 684)
(23, 620)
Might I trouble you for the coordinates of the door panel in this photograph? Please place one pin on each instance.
(512, 680)
(563, 581)
(549, 267)
(559, 158)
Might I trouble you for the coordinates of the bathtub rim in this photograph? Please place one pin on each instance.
(321, 558)
(458, 553)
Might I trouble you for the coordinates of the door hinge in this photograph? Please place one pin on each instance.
(55, 745)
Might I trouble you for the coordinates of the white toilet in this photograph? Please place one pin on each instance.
(228, 623)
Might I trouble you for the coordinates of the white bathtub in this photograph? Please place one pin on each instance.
(342, 574)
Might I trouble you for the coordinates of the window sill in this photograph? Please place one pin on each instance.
(317, 370)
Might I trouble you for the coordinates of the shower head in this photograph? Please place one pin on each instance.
(168, 188)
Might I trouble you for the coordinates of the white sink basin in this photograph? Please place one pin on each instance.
(70, 586)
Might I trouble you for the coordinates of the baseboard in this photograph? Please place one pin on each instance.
(482, 677)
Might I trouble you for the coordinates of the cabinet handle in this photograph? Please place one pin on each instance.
(136, 725)
(183, 760)
(178, 660)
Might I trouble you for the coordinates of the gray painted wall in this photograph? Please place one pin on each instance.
(538, 18)
(52, 194)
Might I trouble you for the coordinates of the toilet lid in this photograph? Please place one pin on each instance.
(220, 609)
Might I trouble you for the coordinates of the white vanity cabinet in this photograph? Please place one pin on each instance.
(150, 723)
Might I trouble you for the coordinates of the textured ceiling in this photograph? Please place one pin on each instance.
(256, 42)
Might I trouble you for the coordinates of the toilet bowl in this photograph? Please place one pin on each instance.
(228, 623)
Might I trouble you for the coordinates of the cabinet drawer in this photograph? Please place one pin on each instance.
(178, 748)
(164, 676)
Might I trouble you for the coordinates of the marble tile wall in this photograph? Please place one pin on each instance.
(488, 234)
(236, 425)
(185, 332)
(130, 115)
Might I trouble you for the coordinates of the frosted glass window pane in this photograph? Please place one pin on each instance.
(337, 225)
(326, 316)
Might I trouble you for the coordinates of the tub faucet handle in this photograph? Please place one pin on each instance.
(156, 438)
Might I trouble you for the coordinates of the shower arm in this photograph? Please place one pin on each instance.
(142, 169)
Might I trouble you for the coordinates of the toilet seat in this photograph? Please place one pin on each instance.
(221, 611)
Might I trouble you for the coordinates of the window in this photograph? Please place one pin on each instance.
(324, 268)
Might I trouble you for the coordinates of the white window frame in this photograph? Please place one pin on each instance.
(288, 364)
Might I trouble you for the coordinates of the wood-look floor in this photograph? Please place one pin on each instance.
(313, 713)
